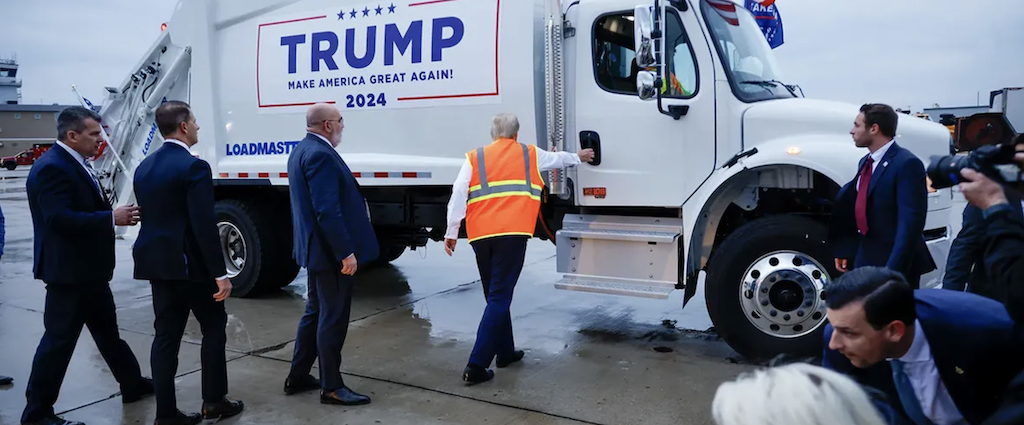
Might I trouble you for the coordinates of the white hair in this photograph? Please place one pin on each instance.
(504, 126)
(795, 394)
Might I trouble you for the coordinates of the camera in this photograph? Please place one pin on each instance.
(994, 161)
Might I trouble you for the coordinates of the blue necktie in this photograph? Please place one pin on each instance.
(906, 392)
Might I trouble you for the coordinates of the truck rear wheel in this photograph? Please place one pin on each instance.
(11, 165)
(388, 253)
(256, 257)
(765, 287)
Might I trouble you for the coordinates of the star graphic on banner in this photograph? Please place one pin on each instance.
(352, 14)
(341, 15)
(391, 9)
(366, 11)
(378, 9)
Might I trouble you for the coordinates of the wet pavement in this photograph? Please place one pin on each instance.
(590, 358)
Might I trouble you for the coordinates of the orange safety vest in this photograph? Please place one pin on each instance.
(504, 191)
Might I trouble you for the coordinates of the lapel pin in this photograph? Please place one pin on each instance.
(959, 371)
(885, 164)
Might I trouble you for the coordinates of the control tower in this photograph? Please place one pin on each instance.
(10, 85)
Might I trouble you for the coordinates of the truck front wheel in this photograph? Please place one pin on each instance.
(11, 165)
(256, 258)
(765, 287)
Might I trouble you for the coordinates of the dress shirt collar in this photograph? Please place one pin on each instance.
(328, 142)
(877, 155)
(919, 350)
(74, 154)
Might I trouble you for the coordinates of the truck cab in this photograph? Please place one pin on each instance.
(708, 160)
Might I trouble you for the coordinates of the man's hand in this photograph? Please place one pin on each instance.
(841, 264)
(348, 265)
(449, 246)
(224, 286)
(127, 215)
(981, 191)
(586, 155)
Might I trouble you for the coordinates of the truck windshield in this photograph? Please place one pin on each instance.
(749, 62)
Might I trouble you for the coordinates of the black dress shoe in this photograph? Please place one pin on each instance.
(225, 408)
(516, 356)
(182, 419)
(52, 420)
(142, 389)
(6, 380)
(475, 374)
(343, 396)
(301, 384)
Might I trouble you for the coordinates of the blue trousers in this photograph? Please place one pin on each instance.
(323, 328)
(500, 261)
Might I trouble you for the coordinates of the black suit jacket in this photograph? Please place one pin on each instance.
(975, 345)
(897, 209)
(72, 224)
(965, 266)
(178, 239)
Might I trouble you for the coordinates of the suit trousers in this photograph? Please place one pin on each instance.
(323, 327)
(172, 301)
(500, 261)
(67, 309)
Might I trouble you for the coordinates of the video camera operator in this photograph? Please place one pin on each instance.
(999, 168)
(1004, 252)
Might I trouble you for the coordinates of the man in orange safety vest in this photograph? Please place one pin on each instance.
(498, 192)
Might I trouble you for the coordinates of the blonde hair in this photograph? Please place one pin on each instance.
(504, 126)
(795, 394)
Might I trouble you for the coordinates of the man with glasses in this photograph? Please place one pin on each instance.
(332, 236)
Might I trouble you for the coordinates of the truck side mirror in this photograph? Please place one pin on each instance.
(645, 85)
(643, 27)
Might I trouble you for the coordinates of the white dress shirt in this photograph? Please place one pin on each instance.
(184, 146)
(81, 161)
(876, 157)
(460, 189)
(919, 365)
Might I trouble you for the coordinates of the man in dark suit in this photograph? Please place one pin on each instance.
(942, 357)
(879, 217)
(73, 228)
(178, 251)
(333, 236)
(965, 266)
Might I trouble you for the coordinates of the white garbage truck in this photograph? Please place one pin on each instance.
(707, 158)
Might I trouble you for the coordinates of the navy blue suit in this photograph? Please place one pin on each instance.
(975, 346)
(178, 251)
(73, 230)
(965, 266)
(330, 221)
(897, 206)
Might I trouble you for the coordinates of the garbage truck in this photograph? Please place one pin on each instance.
(710, 169)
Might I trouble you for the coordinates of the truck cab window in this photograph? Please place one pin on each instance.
(614, 64)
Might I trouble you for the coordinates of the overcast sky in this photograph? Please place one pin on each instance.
(908, 53)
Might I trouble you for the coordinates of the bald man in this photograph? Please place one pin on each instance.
(332, 237)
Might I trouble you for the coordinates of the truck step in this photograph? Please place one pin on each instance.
(624, 255)
(632, 288)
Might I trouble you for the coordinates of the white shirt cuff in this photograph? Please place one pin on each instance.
(222, 277)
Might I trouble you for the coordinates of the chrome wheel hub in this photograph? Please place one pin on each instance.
(232, 248)
(781, 294)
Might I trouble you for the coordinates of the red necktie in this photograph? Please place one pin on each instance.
(861, 208)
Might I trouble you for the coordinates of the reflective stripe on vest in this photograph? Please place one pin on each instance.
(496, 189)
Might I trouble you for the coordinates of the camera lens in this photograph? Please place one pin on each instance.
(944, 171)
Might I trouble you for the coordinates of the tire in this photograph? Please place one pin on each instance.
(774, 264)
(256, 258)
(11, 165)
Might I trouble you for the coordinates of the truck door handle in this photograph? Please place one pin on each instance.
(591, 140)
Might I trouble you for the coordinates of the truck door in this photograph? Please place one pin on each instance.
(646, 158)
